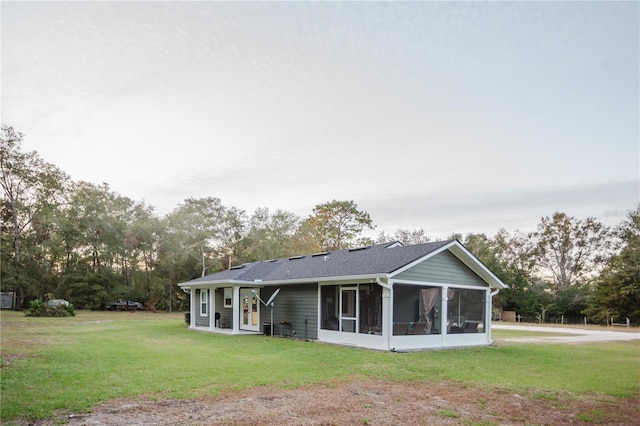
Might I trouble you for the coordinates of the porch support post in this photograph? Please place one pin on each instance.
(445, 314)
(236, 309)
(192, 308)
(212, 317)
(487, 315)
(387, 315)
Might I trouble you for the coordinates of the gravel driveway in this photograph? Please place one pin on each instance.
(577, 335)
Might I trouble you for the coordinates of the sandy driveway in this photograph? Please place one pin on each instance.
(577, 335)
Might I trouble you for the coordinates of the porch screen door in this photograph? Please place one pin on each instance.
(348, 310)
(249, 309)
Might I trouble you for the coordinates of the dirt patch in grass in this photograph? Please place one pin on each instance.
(364, 403)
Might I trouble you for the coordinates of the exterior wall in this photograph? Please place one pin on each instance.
(201, 320)
(296, 304)
(442, 268)
(226, 314)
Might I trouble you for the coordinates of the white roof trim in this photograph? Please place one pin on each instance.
(441, 284)
(284, 282)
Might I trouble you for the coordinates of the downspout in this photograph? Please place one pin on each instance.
(383, 284)
(490, 303)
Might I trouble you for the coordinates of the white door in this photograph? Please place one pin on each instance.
(249, 309)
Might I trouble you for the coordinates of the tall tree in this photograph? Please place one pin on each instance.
(31, 188)
(405, 236)
(617, 291)
(269, 235)
(205, 231)
(515, 256)
(570, 249)
(339, 224)
(304, 239)
(233, 229)
(571, 252)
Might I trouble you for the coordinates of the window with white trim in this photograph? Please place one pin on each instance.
(228, 295)
(204, 299)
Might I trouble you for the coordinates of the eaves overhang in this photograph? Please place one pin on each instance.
(308, 280)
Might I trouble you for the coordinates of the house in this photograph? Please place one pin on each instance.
(386, 296)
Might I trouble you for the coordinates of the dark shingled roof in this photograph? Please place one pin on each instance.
(376, 259)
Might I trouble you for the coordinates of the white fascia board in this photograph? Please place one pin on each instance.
(441, 284)
(189, 284)
(310, 280)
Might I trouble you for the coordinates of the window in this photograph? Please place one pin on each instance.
(370, 308)
(466, 311)
(351, 309)
(228, 295)
(329, 296)
(416, 310)
(204, 298)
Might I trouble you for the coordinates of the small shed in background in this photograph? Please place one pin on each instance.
(7, 300)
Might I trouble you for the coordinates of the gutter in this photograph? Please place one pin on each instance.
(308, 280)
(383, 284)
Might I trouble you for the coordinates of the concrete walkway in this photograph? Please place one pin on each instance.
(578, 335)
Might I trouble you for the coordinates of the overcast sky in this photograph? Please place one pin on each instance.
(452, 117)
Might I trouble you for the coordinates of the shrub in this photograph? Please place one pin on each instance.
(38, 308)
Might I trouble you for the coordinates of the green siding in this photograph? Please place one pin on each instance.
(444, 267)
(296, 304)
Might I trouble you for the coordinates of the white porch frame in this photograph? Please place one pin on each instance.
(194, 308)
(387, 341)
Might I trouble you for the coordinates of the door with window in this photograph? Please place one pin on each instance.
(249, 309)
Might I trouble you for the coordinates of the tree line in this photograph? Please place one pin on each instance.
(84, 242)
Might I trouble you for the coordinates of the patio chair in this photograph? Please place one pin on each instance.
(470, 327)
(417, 328)
(400, 328)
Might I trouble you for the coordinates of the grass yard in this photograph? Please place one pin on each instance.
(72, 364)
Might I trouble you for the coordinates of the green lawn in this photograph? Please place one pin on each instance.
(51, 364)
